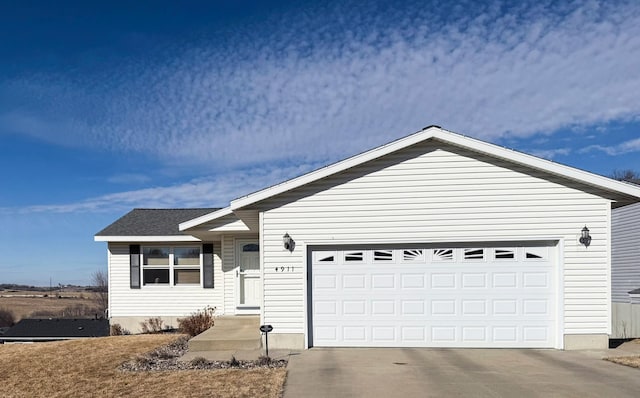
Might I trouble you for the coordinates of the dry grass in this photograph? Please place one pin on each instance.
(23, 306)
(630, 360)
(89, 368)
(633, 361)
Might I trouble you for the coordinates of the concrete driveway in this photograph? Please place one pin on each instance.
(421, 372)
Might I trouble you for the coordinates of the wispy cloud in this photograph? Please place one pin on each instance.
(129, 179)
(551, 153)
(307, 92)
(212, 191)
(613, 150)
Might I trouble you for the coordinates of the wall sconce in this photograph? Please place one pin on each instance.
(289, 243)
(585, 238)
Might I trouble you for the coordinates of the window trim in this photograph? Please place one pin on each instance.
(171, 267)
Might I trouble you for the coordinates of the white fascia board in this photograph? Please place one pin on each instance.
(163, 238)
(450, 138)
(538, 163)
(205, 218)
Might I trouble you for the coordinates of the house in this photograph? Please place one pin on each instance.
(40, 330)
(433, 240)
(625, 271)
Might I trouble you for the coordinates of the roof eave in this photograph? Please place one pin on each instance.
(205, 218)
(438, 133)
(342, 165)
(147, 238)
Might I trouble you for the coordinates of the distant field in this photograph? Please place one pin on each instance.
(88, 368)
(25, 303)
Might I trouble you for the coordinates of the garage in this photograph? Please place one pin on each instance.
(424, 296)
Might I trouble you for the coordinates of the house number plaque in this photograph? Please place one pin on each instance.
(284, 269)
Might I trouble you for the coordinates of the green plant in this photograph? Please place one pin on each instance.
(197, 322)
(152, 325)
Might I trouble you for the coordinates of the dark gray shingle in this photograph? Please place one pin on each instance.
(58, 328)
(153, 222)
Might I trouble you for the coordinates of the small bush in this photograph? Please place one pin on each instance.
(117, 330)
(263, 360)
(151, 325)
(197, 322)
(199, 363)
(6, 318)
(234, 363)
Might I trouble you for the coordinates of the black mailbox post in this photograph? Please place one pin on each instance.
(266, 329)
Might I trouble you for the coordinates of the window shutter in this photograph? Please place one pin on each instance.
(207, 265)
(134, 266)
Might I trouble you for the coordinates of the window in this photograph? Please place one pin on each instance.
(504, 254)
(383, 255)
(473, 254)
(171, 265)
(442, 254)
(413, 255)
(186, 266)
(155, 266)
(353, 256)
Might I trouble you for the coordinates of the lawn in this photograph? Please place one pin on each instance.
(89, 368)
(632, 360)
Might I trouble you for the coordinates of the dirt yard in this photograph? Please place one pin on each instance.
(25, 303)
(89, 368)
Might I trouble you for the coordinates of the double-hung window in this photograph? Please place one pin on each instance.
(186, 266)
(168, 265)
(155, 265)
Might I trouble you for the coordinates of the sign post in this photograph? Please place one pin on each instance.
(266, 329)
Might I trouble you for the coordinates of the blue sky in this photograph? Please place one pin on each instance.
(109, 106)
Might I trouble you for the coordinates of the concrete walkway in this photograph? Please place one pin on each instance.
(231, 336)
(418, 372)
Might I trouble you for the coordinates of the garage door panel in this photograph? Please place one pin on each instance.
(463, 297)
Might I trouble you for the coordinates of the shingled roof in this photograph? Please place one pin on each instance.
(57, 329)
(153, 222)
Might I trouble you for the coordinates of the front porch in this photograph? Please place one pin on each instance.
(231, 336)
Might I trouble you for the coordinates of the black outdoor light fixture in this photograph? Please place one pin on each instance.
(289, 244)
(585, 238)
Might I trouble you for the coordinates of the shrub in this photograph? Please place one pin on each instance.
(117, 330)
(197, 322)
(151, 325)
(263, 360)
(6, 318)
(234, 363)
(199, 363)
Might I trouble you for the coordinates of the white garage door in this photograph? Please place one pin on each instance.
(433, 297)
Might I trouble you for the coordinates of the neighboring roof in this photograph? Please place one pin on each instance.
(635, 291)
(46, 329)
(151, 223)
(428, 133)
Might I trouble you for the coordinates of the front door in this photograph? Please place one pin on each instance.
(249, 282)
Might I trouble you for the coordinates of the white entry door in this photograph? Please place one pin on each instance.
(434, 297)
(249, 282)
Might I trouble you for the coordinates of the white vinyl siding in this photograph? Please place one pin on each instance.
(437, 193)
(163, 300)
(625, 252)
(228, 267)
